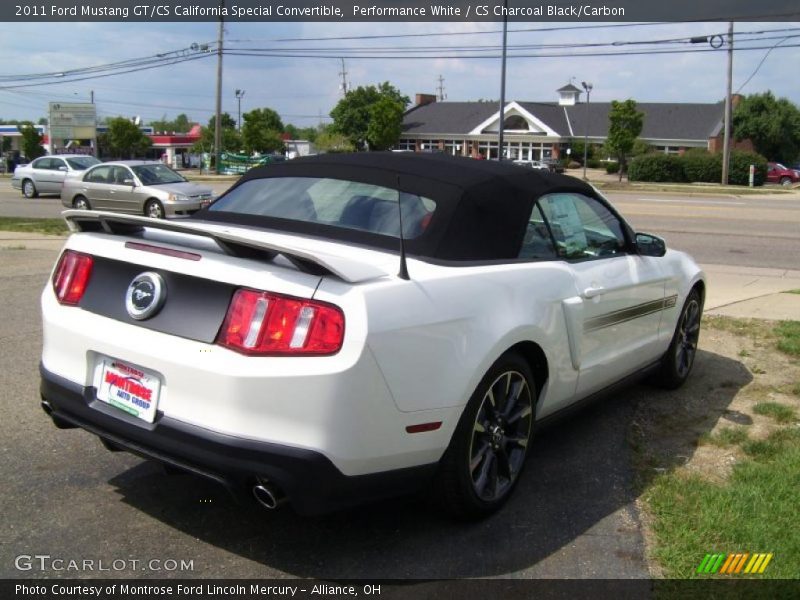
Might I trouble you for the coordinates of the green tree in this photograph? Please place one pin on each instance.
(625, 125)
(31, 140)
(328, 140)
(125, 139)
(261, 131)
(301, 133)
(231, 141)
(385, 123)
(180, 124)
(772, 124)
(352, 116)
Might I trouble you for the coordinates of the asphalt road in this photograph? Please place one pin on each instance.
(753, 231)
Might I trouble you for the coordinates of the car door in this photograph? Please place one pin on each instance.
(613, 320)
(56, 172)
(122, 191)
(41, 173)
(96, 186)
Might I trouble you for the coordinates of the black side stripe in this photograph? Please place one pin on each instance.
(628, 314)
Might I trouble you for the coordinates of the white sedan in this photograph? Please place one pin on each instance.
(343, 328)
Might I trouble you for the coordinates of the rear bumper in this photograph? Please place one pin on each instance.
(311, 482)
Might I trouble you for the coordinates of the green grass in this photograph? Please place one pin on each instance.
(780, 412)
(25, 225)
(730, 436)
(754, 511)
(788, 333)
(792, 292)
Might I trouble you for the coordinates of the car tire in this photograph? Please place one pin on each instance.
(483, 463)
(786, 181)
(29, 189)
(154, 209)
(81, 203)
(677, 362)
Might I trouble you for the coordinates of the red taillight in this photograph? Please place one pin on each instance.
(261, 323)
(72, 276)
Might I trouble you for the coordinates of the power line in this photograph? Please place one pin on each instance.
(510, 55)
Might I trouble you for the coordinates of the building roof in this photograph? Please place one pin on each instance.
(662, 120)
(568, 88)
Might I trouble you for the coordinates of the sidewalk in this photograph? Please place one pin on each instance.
(744, 292)
(751, 292)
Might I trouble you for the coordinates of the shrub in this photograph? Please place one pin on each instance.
(739, 168)
(656, 167)
(612, 167)
(593, 163)
(700, 165)
(573, 164)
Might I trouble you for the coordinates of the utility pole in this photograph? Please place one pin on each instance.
(502, 84)
(91, 96)
(343, 73)
(588, 88)
(239, 95)
(440, 89)
(726, 143)
(218, 122)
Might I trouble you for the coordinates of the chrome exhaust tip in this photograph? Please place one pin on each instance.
(268, 495)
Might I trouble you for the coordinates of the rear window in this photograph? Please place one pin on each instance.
(81, 163)
(333, 202)
(157, 174)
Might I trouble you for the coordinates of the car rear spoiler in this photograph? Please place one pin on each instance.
(315, 263)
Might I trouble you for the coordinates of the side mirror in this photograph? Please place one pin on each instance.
(650, 245)
(129, 182)
(62, 168)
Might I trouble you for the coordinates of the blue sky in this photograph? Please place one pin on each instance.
(302, 89)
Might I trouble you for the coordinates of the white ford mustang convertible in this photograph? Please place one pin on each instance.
(350, 327)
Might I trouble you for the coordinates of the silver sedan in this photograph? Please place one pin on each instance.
(137, 187)
(45, 174)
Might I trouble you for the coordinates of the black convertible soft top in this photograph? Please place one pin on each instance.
(482, 206)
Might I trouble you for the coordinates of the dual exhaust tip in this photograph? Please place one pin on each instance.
(268, 494)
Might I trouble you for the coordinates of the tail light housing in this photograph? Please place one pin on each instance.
(72, 276)
(266, 324)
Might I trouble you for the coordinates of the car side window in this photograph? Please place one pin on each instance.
(99, 175)
(537, 244)
(41, 163)
(582, 227)
(120, 174)
(56, 164)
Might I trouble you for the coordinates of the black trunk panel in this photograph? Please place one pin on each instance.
(194, 307)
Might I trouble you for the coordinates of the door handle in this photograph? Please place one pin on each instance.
(594, 291)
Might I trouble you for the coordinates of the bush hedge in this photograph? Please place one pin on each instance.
(612, 167)
(697, 166)
(656, 167)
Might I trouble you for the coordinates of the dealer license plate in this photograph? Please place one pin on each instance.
(129, 388)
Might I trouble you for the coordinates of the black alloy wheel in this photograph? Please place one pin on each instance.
(489, 447)
(677, 362)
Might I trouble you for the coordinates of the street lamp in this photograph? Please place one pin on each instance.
(588, 88)
(239, 95)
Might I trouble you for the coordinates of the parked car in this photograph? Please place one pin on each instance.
(295, 342)
(554, 165)
(45, 174)
(531, 164)
(777, 173)
(135, 186)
